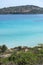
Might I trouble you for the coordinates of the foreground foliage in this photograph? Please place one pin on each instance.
(34, 56)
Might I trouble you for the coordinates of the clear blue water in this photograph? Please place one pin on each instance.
(21, 30)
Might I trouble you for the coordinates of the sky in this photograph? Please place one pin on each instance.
(8, 3)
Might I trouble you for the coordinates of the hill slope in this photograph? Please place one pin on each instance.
(28, 9)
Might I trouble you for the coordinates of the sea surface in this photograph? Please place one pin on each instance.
(21, 30)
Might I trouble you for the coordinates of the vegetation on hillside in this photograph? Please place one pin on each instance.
(28, 9)
(23, 56)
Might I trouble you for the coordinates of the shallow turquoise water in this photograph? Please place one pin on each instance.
(21, 30)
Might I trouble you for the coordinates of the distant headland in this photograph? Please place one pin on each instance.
(26, 9)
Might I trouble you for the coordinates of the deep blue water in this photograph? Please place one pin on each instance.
(21, 30)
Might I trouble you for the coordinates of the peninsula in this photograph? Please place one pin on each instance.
(26, 9)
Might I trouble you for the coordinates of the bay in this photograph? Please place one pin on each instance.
(21, 30)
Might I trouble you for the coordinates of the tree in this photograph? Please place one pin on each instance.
(4, 48)
(19, 48)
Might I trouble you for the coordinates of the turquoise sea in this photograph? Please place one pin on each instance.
(21, 30)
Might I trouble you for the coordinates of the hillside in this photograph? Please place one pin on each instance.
(27, 9)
